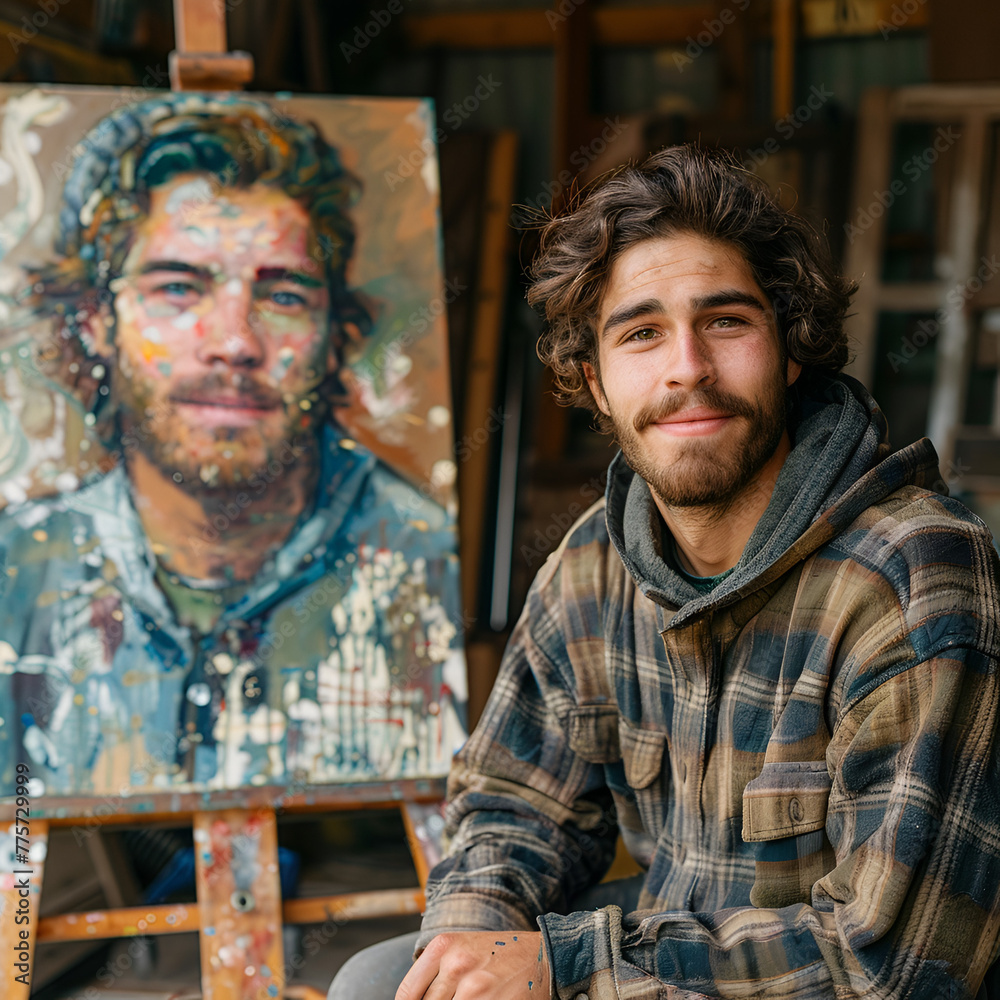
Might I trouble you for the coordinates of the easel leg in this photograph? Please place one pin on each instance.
(239, 900)
(20, 897)
(424, 824)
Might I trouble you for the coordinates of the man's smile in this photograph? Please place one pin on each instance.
(217, 403)
(225, 413)
(231, 402)
(692, 423)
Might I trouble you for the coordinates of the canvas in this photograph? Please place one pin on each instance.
(227, 548)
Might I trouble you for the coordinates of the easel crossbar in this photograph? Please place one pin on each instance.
(179, 918)
(144, 808)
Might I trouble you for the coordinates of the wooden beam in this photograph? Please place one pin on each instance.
(643, 26)
(199, 26)
(573, 39)
(129, 921)
(934, 100)
(239, 899)
(135, 810)
(784, 22)
(276, 44)
(863, 253)
(481, 29)
(483, 364)
(354, 906)
(649, 25)
(905, 296)
(209, 72)
(183, 918)
(535, 28)
(736, 77)
(299, 991)
(834, 18)
(955, 342)
(571, 104)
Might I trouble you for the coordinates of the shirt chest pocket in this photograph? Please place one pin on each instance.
(644, 753)
(634, 761)
(784, 817)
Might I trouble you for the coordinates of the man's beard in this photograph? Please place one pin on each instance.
(209, 459)
(702, 474)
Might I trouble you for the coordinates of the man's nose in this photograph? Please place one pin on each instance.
(231, 330)
(690, 364)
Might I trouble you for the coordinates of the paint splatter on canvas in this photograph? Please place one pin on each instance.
(227, 549)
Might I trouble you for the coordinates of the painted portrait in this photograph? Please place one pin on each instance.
(227, 537)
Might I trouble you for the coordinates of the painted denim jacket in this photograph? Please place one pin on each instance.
(342, 662)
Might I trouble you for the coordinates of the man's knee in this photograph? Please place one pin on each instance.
(374, 972)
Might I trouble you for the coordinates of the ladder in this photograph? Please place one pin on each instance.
(966, 118)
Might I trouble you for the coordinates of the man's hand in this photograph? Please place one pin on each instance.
(479, 965)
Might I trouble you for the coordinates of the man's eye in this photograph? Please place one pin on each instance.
(647, 333)
(729, 322)
(176, 289)
(287, 299)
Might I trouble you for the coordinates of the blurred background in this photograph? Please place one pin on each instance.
(876, 119)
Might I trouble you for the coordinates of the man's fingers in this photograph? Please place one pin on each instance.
(416, 981)
(441, 989)
(423, 971)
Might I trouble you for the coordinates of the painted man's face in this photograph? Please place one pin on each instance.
(222, 332)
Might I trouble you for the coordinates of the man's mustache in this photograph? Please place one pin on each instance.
(711, 398)
(234, 390)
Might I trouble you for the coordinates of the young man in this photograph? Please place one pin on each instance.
(249, 596)
(769, 658)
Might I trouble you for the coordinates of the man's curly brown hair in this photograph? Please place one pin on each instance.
(682, 189)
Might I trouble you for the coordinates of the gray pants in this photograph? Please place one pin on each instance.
(375, 973)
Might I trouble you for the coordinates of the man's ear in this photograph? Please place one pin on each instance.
(346, 345)
(792, 371)
(333, 351)
(97, 330)
(596, 389)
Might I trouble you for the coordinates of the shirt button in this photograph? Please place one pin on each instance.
(582, 996)
(795, 810)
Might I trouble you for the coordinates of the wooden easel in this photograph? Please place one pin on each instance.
(239, 912)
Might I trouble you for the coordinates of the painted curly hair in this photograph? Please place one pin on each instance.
(682, 189)
(233, 140)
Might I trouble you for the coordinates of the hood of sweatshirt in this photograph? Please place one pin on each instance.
(839, 465)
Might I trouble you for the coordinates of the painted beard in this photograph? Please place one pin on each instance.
(203, 458)
(701, 474)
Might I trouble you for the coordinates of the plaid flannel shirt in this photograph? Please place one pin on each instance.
(807, 765)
